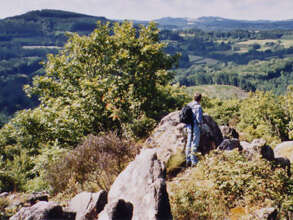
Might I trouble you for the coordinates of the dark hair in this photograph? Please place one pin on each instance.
(197, 97)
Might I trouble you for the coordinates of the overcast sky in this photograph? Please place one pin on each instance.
(153, 9)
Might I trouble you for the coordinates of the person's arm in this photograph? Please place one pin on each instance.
(199, 116)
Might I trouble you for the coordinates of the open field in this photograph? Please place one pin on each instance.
(286, 43)
(41, 47)
(201, 60)
(218, 91)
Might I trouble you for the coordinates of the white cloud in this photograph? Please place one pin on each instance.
(151, 9)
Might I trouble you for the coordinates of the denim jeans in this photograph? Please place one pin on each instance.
(192, 144)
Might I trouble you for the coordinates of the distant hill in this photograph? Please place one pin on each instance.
(25, 41)
(46, 23)
(218, 23)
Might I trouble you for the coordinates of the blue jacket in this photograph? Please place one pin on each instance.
(197, 113)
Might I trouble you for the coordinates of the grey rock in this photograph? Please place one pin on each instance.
(118, 210)
(253, 149)
(88, 205)
(285, 149)
(230, 144)
(4, 194)
(170, 136)
(43, 211)
(258, 148)
(210, 135)
(39, 196)
(268, 213)
(142, 184)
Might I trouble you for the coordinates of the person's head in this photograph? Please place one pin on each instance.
(197, 97)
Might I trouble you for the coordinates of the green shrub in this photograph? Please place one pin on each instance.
(15, 173)
(225, 180)
(223, 111)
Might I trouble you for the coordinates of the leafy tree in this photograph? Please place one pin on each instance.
(116, 72)
(114, 79)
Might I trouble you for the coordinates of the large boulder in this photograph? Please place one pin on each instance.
(143, 185)
(284, 149)
(88, 205)
(43, 211)
(210, 135)
(170, 136)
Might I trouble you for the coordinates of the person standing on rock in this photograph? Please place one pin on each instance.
(193, 131)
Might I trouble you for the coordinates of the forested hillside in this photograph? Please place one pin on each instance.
(250, 55)
(247, 59)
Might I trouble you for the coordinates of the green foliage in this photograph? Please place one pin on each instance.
(114, 79)
(225, 180)
(261, 115)
(16, 172)
(121, 76)
(289, 102)
(91, 166)
(224, 111)
(264, 115)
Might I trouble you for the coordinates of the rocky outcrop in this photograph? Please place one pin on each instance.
(268, 213)
(253, 149)
(143, 185)
(118, 210)
(284, 149)
(88, 205)
(43, 211)
(170, 136)
(259, 148)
